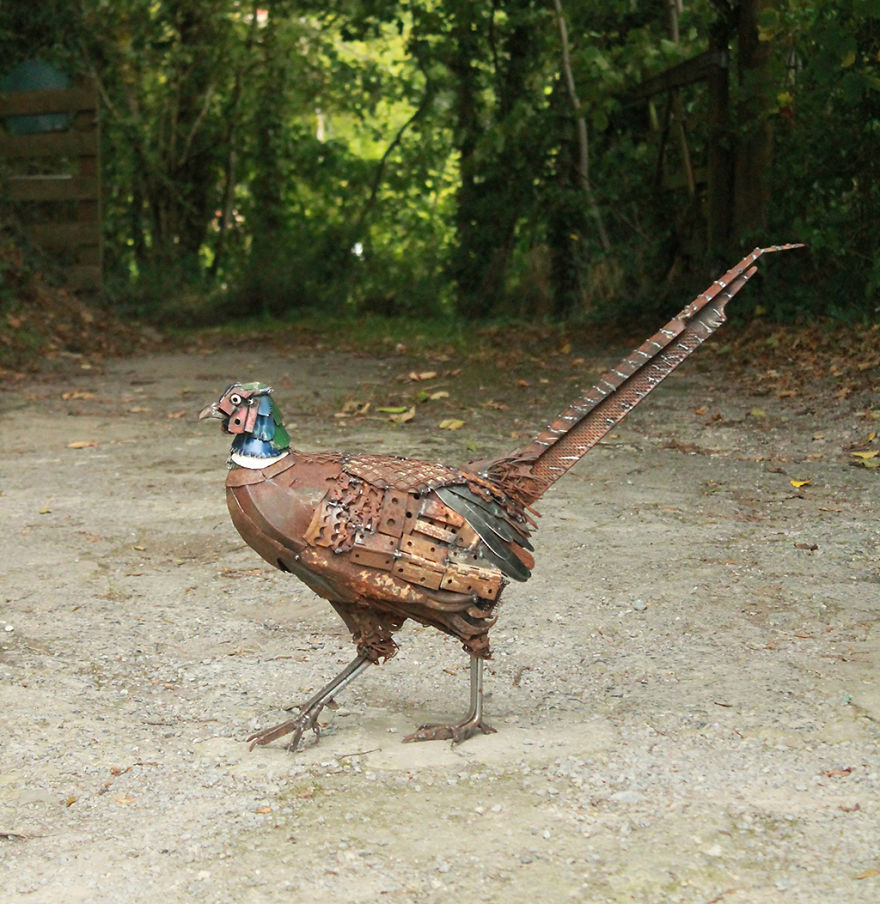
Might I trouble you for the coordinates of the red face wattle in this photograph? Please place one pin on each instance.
(236, 408)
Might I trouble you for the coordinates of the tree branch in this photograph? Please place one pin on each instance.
(380, 168)
(581, 127)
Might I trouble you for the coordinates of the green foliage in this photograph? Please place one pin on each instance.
(428, 157)
(828, 150)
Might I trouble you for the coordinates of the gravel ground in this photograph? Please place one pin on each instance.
(685, 692)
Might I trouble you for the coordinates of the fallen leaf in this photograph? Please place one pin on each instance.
(138, 409)
(176, 415)
(866, 459)
(82, 444)
(440, 394)
(70, 801)
(451, 423)
(395, 409)
(811, 547)
(263, 810)
(423, 375)
(797, 484)
(404, 416)
(77, 394)
(353, 407)
(842, 773)
(45, 511)
(757, 412)
(868, 874)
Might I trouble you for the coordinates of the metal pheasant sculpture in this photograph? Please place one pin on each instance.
(385, 539)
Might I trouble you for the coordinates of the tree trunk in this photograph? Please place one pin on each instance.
(495, 183)
(719, 195)
(751, 178)
(268, 182)
(583, 160)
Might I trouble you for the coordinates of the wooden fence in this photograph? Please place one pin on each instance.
(712, 68)
(52, 180)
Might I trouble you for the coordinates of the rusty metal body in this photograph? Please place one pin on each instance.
(386, 539)
(371, 535)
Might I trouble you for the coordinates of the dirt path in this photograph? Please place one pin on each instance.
(686, 691)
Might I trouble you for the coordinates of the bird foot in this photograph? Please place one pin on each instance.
(308, 718)
(456, 733)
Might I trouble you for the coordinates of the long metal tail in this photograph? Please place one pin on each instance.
(532, 469)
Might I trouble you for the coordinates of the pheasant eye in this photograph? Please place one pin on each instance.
(235, 398)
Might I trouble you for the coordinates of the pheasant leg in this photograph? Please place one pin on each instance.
(470, 725)
(308, 715)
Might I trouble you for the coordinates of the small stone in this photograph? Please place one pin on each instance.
(626, 797)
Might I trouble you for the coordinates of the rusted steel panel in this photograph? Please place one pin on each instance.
(437, 531)
(467, 537)
(392, 518)
(374, 550)
(433, 508)
(419, 571)
(471, 579)
(423, 547)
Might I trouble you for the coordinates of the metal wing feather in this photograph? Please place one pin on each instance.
(505, 541)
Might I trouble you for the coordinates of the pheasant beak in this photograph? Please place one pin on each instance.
(211, 411)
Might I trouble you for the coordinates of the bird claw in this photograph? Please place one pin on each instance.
(456, 733)
(306, 719)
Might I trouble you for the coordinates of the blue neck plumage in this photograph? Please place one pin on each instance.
(267, 442)
(253, 446)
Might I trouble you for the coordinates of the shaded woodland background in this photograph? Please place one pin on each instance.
(473, 160)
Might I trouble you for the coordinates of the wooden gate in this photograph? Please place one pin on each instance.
(52, 180)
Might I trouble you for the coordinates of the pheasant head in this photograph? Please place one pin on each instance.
(249, 413)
